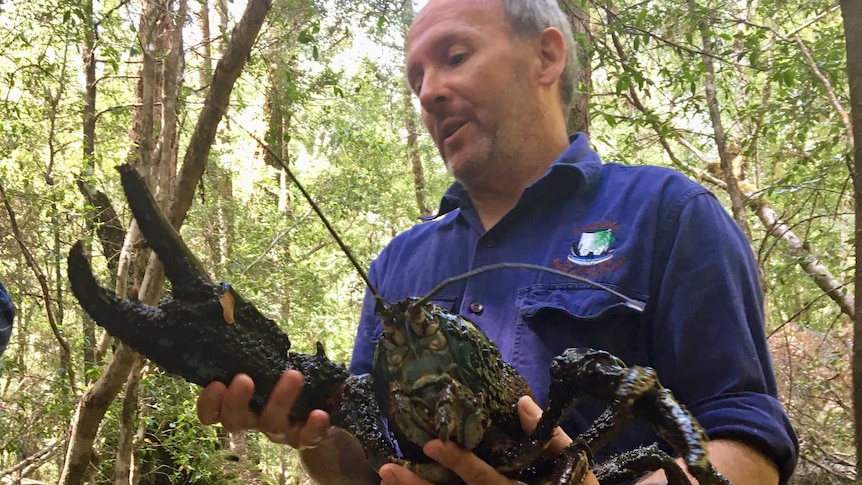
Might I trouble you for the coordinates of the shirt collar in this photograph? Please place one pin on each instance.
(578, 164)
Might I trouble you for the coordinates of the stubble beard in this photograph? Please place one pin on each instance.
(473, 163)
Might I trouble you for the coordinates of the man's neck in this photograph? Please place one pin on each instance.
(494, 197)
(491, 209)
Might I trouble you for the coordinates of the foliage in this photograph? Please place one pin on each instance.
(783, 118)
(781, 91)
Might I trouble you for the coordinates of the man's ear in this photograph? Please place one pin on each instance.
(552, 56)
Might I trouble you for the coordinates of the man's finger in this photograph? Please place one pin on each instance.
(209, 402)
(315, 430)
(391, 474)
(465, 464)
(273, 419)
(235, 413)
(530, 412)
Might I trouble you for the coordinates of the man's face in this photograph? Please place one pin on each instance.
(472, 79)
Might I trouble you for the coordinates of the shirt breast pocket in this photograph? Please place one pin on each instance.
(553, 318)
(561, 316)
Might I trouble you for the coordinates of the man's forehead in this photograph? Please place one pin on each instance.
(438, 11)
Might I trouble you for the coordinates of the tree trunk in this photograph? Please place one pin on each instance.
(128, 425)
(851, 10)
(413, 156)
(169, 48)
(725, 154)
(277, 112)
(92, 407)
(205, 72)
(89, 142)
(224, 182)
(812, 266)
(411, 125)
(102, 215)
(238, 444)
(225, 214)
(579, 18)
(171, 75)
(218, 98)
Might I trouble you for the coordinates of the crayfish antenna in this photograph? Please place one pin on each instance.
(629, 302)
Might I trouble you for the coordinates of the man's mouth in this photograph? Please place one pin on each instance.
(450, 128)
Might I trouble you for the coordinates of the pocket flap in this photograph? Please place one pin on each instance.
(577, 300)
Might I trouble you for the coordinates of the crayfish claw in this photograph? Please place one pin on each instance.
(187, 274)
(120, 317)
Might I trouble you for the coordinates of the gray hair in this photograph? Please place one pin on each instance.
(529, 18)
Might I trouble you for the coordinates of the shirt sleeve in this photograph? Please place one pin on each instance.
(708, 340)
(7, 315)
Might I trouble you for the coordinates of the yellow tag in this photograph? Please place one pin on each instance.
(226, 302)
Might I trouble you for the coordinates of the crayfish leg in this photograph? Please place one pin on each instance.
(631, 465)
(573, 464)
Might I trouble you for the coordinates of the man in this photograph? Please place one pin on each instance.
(7, 315)
(494, 78)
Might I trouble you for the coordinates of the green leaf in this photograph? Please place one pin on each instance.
(305, 37)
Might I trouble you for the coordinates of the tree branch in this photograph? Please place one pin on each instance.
(226, 73)
(66, 353)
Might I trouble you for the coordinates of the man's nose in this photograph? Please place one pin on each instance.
(433, 94)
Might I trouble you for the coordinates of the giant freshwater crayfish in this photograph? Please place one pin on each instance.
(435, 375)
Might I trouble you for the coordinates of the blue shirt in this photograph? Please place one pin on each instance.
(647, 232)
(7, 314)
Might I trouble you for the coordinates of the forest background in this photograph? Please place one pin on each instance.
(747, 97)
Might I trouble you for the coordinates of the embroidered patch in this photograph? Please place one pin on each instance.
(593, 248)
(593, 251)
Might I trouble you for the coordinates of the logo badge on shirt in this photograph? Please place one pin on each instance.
(593, 251)
(593, 248)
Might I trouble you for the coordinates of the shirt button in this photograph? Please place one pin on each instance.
(476, 308)
(490, 243)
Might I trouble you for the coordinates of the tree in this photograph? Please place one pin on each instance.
(74, 103)
(94, 403)
(852, 14)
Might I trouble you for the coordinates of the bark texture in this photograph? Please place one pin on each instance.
(851, 10)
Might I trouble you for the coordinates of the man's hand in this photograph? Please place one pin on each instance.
(738, 462)
(229, 406)
(339, 460)
(467, 465)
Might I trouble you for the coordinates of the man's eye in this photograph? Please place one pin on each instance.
(456, 59)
